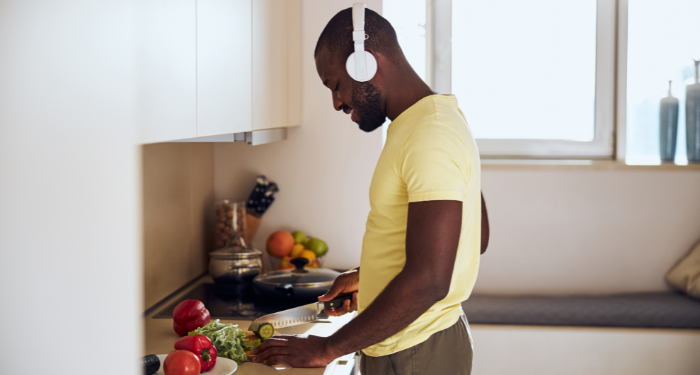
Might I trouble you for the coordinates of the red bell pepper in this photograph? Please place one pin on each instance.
(189, 315)
(202, 347)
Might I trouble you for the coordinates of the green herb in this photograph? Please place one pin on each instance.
(251, 345)
(228, 339)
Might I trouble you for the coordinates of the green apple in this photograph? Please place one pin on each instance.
(318, 246)
(299, 236)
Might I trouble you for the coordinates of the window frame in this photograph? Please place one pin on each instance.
(609, 55)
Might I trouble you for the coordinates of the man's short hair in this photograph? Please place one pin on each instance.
(337, 36)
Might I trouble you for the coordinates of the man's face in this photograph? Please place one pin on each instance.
(361, 100)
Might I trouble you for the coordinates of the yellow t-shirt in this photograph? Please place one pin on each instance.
(429, 154)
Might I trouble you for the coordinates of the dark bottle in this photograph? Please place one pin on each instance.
(668, 126)
(692, 118)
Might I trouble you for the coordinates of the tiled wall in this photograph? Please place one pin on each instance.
(177, 215)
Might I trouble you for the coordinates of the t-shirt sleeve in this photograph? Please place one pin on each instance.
(434, 164)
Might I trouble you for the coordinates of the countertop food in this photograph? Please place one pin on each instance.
(160, 338)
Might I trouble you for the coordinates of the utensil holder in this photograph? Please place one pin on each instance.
(252, 224)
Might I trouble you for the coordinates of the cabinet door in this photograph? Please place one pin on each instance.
(223, 67)
(294, 51)
(167, 69)
(269, 64)
(276, 63)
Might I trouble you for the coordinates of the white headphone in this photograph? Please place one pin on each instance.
(361, 65)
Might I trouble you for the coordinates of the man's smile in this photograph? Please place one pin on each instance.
(350, 111)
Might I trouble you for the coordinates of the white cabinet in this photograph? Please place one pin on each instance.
(276, 63)
(167, 70)
(224, 40)
(215, 67)
(248, 65)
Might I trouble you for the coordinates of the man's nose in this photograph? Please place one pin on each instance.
(337, 103)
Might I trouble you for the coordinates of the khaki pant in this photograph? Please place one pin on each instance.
(445, 352)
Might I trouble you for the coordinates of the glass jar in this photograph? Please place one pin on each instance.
(230, 221)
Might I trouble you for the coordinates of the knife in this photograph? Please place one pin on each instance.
(298, 315)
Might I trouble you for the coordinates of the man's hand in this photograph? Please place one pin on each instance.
(296, 351)
(345, 283)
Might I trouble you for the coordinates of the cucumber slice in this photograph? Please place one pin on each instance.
(151, 364)
(265, 331)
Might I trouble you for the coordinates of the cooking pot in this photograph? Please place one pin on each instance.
(235, 264)
(299, 283)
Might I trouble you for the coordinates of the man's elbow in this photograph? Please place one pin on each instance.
(441, 293)
(437, 291)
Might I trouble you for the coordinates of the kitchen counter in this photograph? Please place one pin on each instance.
(159, 339)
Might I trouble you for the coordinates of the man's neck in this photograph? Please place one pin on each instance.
(407, 88)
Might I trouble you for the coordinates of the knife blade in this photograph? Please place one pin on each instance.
(298, 315)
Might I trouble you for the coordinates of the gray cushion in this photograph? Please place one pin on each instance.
(643, 310)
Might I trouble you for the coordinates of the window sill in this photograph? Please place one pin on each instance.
(495, 164)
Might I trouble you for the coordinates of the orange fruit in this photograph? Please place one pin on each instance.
(308, 254)
(280, 244)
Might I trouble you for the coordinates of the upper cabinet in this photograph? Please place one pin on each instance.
(224, 45)
(214, 67)
(276, 63)
(167, 70)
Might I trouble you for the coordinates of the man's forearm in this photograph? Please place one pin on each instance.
(400, 304)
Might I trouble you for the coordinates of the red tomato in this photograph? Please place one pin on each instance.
(181, 362)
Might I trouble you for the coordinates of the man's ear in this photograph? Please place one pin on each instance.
(371, 51)
(379, 58)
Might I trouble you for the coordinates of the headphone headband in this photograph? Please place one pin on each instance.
(358, 19)
(361, 65)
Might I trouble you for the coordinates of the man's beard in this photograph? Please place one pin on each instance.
(367, 103)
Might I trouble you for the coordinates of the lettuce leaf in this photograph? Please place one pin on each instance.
(228, 339)
(252, 344)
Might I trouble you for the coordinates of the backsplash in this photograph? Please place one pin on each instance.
(178, 204)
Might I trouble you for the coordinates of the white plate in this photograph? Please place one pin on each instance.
(224, 366)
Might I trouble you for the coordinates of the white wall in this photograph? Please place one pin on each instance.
(586, 231)
(323, 169)
(69, 199)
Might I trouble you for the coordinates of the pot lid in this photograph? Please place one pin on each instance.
(235, 252)
(299, 277)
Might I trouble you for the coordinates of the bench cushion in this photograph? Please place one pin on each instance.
(642, 310)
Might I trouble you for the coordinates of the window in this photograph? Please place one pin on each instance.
(556, 79)
(662, 39)
(534, 78)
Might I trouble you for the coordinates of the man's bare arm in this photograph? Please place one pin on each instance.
(432, 237)
(485, 230)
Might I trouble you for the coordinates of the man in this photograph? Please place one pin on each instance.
(426, 228)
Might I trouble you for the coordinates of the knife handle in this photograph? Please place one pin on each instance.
(338, 302)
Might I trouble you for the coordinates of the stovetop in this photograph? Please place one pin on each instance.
(233, 302)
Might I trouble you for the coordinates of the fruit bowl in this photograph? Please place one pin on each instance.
(283, 246)
(275, 263)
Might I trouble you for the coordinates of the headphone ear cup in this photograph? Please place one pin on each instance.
(371, 65)
(370, 62)
(350, 66)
